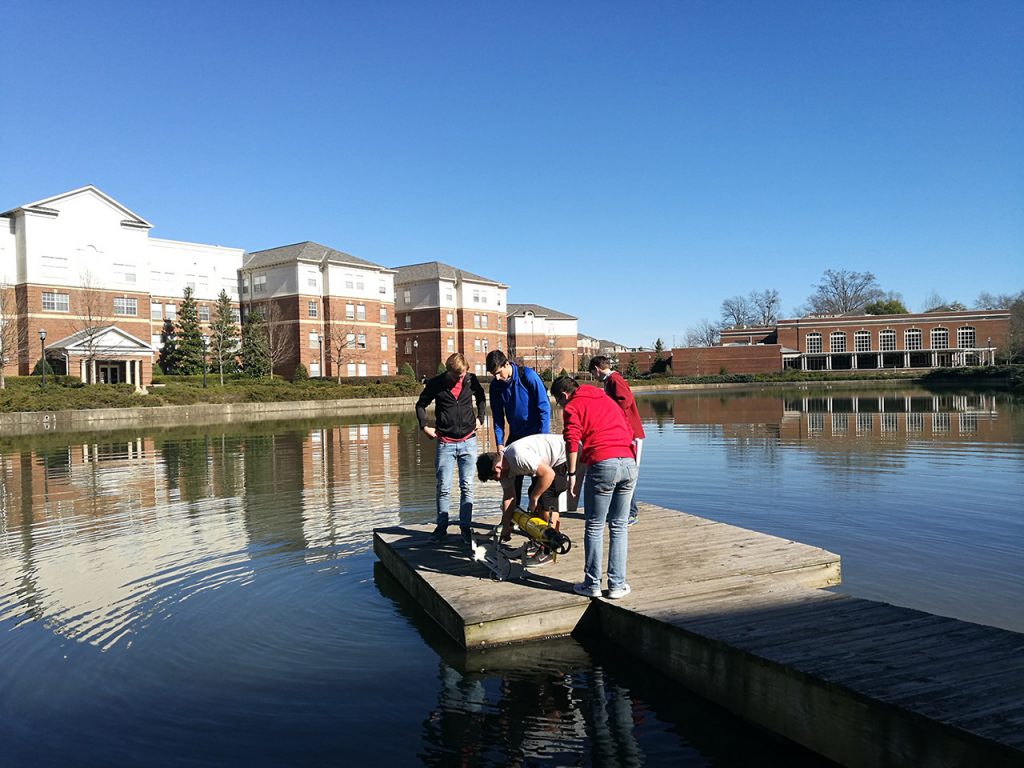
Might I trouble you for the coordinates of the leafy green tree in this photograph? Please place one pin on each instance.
(406, 370)
(169, 354)
(632, 370)
(224, 336)
(255, 347)
(190, 338)
(885, 307)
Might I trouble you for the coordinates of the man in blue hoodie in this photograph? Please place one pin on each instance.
(518, 397)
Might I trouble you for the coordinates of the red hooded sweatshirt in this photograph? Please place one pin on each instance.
(595, 419)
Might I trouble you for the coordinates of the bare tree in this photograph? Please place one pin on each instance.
(340, 339)
(95, 312)
(10, 347)
(843, 292)
(280, 337)
(737, 312)
(988, 300)
(933, 302)
(765, 306)
(704, 334)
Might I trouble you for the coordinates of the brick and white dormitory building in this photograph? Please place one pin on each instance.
(83, 270)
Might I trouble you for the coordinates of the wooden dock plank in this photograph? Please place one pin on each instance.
(740, 620)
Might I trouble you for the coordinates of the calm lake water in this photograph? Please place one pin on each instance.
(209, 596)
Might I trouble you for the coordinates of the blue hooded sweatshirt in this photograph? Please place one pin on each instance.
(523, 402)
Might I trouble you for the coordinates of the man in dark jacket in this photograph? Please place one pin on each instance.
(453, 393)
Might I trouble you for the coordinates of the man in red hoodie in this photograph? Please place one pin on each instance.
(593, 419)
(618, 390)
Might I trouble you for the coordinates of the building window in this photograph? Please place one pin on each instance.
(451, 345)
(349, 282)
(408, 321)
(383, 343)
(837, 342)
(449, 320)
(236, 315)
(476, 320)
(351, 369)
(408, 347)
(259, 284)
(125, 306)
(314, 340)
(361, 341)
(407, 296)
(940, 338)
(483, 321)
(476, 345)
(476, 297)
(350, 340)
(204, 313)
(156, 311)
(384, 369)
(383, 314)
(312, 309)
(360, 311)
(862, 341)
(362, 369)
(350, 311)
(814, 343)
(171, 311)
(448, 295)
(499, 323)
(483, 344)
(887, 341)
(382, 288)
(965, 337)
(360, 285)
(912, 339)
(56, 302)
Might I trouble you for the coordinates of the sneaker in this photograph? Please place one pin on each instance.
(585, 591)
(466, 532)
(633, 520)
(615, 594)
(440, 533)
(538, 560)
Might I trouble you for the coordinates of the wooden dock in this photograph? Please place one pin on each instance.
(738, 617)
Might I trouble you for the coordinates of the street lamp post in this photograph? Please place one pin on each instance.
(320, 350)
(206, 350)
(416, 353)
(991, 353)
(42, 354)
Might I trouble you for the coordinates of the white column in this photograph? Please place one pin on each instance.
(81, 370)
(128, 365)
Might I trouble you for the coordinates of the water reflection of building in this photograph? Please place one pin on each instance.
(912, 417)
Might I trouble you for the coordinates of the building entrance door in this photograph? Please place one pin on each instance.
(110, 373)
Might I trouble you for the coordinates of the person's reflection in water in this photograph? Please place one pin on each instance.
(608, 714)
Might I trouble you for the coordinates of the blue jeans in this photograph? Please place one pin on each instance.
(607, 491)
(448, 454)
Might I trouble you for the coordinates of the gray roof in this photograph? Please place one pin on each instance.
(518, 310)
(436, 270)
(307, 251)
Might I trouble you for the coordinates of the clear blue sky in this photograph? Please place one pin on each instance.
(629, 163)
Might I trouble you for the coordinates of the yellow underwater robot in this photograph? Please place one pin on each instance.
(542, 541)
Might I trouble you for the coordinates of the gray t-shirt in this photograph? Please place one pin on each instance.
(527, 453)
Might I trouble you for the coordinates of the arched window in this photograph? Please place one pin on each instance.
(814, 343)
(966, 337)
(887, 341)
(912, 338)
(862, 341)
(940, 338)
(837, 342)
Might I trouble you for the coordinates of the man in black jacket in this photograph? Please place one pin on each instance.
(453, 393)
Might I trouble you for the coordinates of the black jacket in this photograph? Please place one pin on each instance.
(452, 418)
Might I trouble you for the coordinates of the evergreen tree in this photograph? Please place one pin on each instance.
(190, 337)
(406, 370)
(632, 370)
(659, 348)
(169, 354)
(255, 347)
(224, 336)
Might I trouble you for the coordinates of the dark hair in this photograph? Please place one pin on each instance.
(566, 384)
(599, 361)
(485, 466)
(496, 359)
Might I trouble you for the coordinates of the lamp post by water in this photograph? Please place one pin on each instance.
(42, 354)
(416, 352)
(320, 351)
(206, 350)
(991, 353)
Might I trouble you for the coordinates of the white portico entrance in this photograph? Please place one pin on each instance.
(106, 355)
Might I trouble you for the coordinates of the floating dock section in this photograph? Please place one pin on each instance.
(740, 618)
